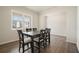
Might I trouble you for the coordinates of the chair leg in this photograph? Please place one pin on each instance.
(39, 47)
(23, 47)
(44, 43)
(49, 39)
(19, 46)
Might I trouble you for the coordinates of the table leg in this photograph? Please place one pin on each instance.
(49, 38)
(32, 45)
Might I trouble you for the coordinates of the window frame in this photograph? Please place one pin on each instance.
(23, 14)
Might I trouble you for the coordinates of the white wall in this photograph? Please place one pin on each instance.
(62, 21)
(0, 24)
(56, 21)
(6, 34)
(71, 24)
(78, 28)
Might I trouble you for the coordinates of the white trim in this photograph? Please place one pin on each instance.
(70, 41)
(77, 47)
(23, 14)
(58, 35)
(66, 38)
(19, 12)
(8, 41)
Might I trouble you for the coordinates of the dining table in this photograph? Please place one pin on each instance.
(32, 35)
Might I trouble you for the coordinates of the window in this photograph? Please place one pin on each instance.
(27, 21)
(20, 20)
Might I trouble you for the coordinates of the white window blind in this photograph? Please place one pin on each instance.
(20, 21)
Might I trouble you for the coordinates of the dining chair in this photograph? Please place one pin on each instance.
(28, 29)
(47, 37)
(34, 29)
(40, 41)
(23, 42)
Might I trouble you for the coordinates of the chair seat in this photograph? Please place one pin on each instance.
(26, 40)
(37, 40)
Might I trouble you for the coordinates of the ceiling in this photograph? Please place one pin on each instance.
(38, 8)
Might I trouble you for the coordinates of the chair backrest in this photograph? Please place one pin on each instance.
(42, 34)
(47, 30)
(34, 29)
(21, 38)
(28, 29)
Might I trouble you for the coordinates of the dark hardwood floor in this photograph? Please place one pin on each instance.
(58, 44)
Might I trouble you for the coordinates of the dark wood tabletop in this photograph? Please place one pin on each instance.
(33, 34)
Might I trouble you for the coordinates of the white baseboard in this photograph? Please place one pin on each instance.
(59, 35)
(8, 42)
(66, 38)
(78, 46)
(71, 41)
